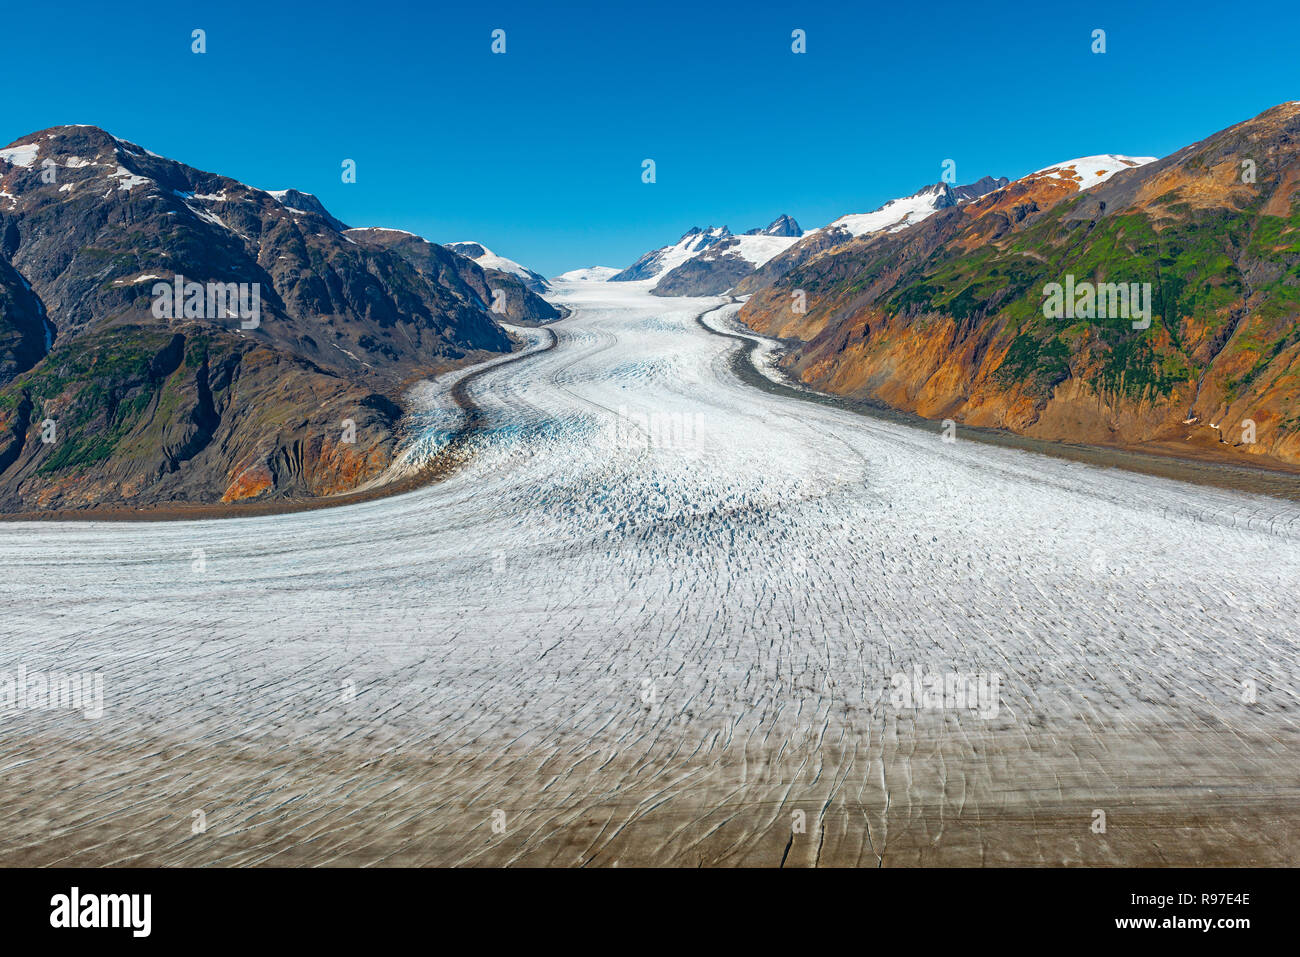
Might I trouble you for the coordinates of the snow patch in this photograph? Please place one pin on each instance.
(130, 180)
(895, 215)
(1091, 170)
(755, 249)
(20, 155)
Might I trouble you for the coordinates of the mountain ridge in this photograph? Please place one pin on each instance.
(950, 318)
(299, 399)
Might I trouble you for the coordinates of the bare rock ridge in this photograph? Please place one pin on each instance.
(104, 403)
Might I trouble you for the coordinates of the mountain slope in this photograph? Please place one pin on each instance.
(117, 219)
(95, 229)
(25, 336)
(516, 302)
(657, 262)
(147, 416)
(948, 318)
(895, 215)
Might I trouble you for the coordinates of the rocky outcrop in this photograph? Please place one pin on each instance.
(24, 333)
(783, 225)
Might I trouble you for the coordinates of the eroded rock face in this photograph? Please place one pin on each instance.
(947, 318)
(23, 329)
(154, 406)
(143, 416)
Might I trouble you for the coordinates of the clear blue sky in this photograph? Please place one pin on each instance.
(537, 153)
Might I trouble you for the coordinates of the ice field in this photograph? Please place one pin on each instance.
(656, 618)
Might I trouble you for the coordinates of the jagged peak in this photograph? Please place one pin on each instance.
(783, 225)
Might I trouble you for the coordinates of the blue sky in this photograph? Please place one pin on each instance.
(537, 153)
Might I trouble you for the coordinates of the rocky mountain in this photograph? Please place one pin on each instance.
(1109, 300)
(122, 384)
(657, 262)
(895, 215)
(490, 261)
(306, 203)
(975, 190)
(25, 334)
(708, 262)
(506, 294)
(783, 225)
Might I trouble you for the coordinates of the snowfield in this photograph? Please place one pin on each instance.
(589, 274)
(657, 619)
(895, 215)
(1091, 170)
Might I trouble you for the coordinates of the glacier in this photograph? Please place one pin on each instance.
(654, 618)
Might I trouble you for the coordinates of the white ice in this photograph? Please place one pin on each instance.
(662, 600)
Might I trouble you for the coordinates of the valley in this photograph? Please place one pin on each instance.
(656, 616)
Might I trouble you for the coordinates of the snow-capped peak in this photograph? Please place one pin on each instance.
(897, 213)
(783, 225)
(667, 258)
(708, 261)
(381, 229)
